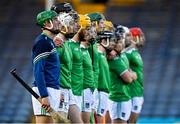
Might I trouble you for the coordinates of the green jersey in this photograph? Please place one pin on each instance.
(136, 64)
(104, 74)
(65, 65)
(119, 90)
(124, 58)
(95, 58)
(77, 70)
(88, 78)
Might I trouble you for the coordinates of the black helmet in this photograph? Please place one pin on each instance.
(119, 31)
(105, 34)
(62, 7)
(108, 35)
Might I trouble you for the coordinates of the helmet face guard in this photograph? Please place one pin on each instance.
(67, 22)
(120, 32)
(123, 34)
(105, 38)
(74, 14)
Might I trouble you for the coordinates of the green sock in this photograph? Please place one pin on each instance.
(92, 118)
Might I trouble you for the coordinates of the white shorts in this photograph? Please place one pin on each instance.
(120, 110)
(72, 99)
(87, 100)
(54, 95)
(95, 100)
(78, 102)
(137, 103)
(102, 103)
(65, 99)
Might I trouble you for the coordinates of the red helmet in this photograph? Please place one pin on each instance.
(135, 31)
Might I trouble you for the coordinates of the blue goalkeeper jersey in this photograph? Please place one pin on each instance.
(46, 64)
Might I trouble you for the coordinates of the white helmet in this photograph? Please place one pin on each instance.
(65, 19)
(126, 29)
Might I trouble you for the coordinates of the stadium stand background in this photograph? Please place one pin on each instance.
(159, 19)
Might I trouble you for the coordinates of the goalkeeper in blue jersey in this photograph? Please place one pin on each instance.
(46, 67)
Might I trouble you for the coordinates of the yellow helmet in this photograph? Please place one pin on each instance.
(84, 21)
(108, 25)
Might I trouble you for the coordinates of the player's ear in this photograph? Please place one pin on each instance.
(48, 24)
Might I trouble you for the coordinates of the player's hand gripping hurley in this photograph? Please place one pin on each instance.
(55, 115)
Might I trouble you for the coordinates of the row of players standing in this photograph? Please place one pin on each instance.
(86, 67)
